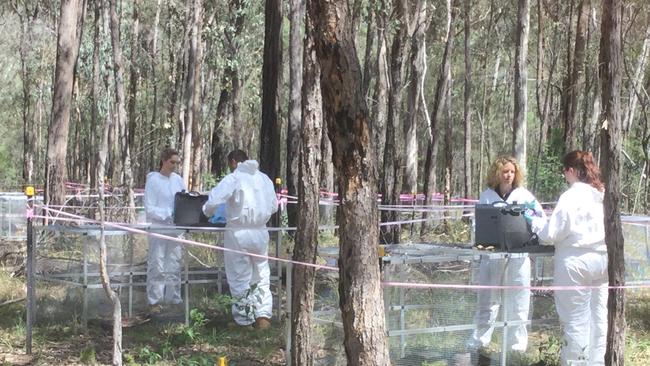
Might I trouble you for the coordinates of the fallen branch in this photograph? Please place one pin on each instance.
(12, 301)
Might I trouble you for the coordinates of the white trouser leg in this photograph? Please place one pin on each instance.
(244, 271)
(172, 272)
(155, 269)
(575, 307)
(517, 301)
(598, 342)
(488, 301)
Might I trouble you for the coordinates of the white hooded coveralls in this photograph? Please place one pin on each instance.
(577, 229)
(251, 200)
(164, 263)
(505, 272)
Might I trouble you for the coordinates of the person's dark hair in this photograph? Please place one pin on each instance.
(167, 154)
(586, 169)
(238, 156)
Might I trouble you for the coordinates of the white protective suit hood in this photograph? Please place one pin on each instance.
(577, 220)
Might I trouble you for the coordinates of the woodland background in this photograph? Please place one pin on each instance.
(439, 81)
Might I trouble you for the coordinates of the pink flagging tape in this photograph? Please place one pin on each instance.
(77, 218)
(509, 287)
(29, 213)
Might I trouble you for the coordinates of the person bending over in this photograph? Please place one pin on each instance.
(250, 201)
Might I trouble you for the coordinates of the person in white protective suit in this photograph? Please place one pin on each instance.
(504, 182)
(250, 201)
(577, 230)
(164, 262)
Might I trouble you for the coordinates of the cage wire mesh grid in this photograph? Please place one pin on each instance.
(69, 286)
(425, 326)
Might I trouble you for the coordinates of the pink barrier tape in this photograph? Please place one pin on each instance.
(191, 242)
(77, 219)
(29, 213)
(508, 287)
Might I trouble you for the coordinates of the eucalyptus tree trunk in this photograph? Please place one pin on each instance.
(154, 77)
(416, 61)
(196, 60)
(369, 67)
(637, 79)
(118, 74)
(574, 75)
(436, 113)
(26, 38)
(306, 239)
(133, 78)
(391, 182)
(379, 111)
(449, 146)
(361, 303)
(521, 92)
(226, 131)
(467, 102)
(297, 14)
(57, 144)
(326, 177)
(100, 173)
(271, 76)
(610, 58)
(95, 93)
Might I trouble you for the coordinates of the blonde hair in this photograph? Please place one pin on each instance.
(494, 173)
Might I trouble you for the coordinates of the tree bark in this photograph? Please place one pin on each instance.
(26, 38)
(271, 76)
(118, 74)
(306, 241)
(295, 85)
(436, 113)
(57, 143)
(521, 89)
(326, 177)
(637, 79)
(467, 103)
(133, 79)
(417, 58)
(379, 112)
(391, 182)
(95, 94)
(610, 120)
(196, 101)
(360, 292)
(574, 75)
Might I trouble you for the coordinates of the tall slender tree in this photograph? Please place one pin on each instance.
(67, 51)
(610, 122)
(519, 126)
(436, 114)
(391, 182)
(295, 85)
(120, 101)
(348, 121)
(271, 76)
(306, 240)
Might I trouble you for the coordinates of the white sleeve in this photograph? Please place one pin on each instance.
(557, 228)
(219, 194)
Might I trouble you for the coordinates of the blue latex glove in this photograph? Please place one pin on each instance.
(529, 211)
(219, 216)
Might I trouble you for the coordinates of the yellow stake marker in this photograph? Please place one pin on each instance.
(222, 361)
(29, 191)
